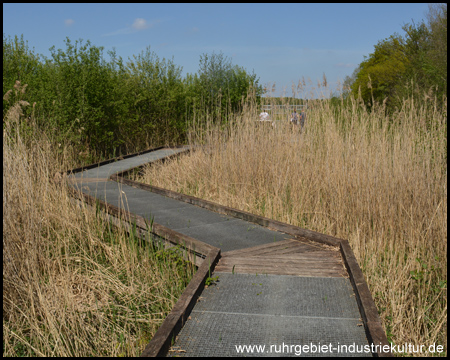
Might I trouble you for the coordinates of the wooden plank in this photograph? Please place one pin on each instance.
(281, 270)
(158, 229)
(260, 220)
(291, 250)
(248, 269)
(368, 310)
(161, 341)
(294, 270)
(286, 257)
(305, 249)
(301, 258)
(255, 249)
(289, 245)
(262, 252)
(285, 273)
(282, 264)
(286, 252)
(326, 264)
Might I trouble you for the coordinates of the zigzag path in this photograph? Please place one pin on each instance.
(277, 290)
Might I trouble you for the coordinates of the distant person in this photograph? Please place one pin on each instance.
(302, 119)
(264, 116)
(294, 117)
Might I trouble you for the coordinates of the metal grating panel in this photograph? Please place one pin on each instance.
(222, 231)
(244, 309)
(280, 295)
(217, 334)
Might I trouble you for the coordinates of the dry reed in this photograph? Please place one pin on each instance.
(73, 285)
(379, 181)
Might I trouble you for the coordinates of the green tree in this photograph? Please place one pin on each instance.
(401, 66)
(426, 49)
(382, 72)
(157, 90)
(416, 47)
(83, 95)
(108, 107)
(220, 86)
(349, 81)
(19, 64)
(437, 23)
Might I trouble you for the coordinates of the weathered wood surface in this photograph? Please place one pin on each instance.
(372, 322)
(289, 257)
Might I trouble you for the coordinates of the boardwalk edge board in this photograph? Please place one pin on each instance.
(167, 332)
(162, 340)
(225, 210)
(367, 307)
(172, 324)
(194, 246)
(118, 158)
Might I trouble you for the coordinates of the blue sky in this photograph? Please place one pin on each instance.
(281, 43)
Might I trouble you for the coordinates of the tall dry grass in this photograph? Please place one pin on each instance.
(73, 285)
(379, 181)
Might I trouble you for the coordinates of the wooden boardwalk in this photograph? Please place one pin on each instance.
(286, 257)
(273, 283)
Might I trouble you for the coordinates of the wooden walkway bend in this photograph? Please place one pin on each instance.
(276, 286)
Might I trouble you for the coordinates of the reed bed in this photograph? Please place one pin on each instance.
(379, 181)
(73, 284)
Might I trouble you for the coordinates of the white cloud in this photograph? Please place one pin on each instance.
(69, 22)
(140, 24)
